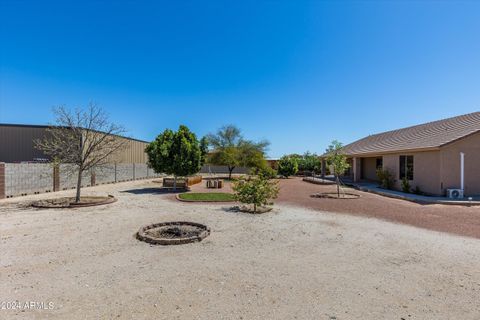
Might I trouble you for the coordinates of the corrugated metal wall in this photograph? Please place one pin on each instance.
(17, 145)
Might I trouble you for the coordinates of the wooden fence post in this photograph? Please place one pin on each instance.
(56, 178)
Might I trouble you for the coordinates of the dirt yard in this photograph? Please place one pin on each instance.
(459, 220)
(292, 263)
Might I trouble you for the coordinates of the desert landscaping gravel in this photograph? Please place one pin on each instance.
(291, 263)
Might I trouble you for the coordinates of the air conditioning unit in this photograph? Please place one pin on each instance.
(455, 193)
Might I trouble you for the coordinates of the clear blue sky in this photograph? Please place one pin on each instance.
(295, 72)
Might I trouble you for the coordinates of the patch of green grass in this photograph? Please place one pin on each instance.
(210, 196)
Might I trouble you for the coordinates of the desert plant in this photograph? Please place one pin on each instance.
(232, 150)
(417, 190)
(257, 191)
(84, 139)
(386, 178)
(177, 153)
(267, 172)
(406, 185)
(338, 161)
(287, 166)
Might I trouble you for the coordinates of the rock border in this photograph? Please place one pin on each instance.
(42, 204)
(143, 236)
(245, 209)
(333, 195)
(319, 181)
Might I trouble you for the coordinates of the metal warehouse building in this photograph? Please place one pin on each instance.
(24, 169)
(17, 145)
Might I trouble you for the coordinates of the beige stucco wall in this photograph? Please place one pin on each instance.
(369, 168)
(426, 170)
(450, 164)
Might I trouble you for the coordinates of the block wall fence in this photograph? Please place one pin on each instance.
(18, 179)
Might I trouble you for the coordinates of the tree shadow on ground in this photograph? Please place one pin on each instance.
(155, 191)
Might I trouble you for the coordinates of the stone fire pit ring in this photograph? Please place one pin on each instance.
(173, 233)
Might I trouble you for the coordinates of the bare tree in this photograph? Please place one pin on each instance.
(83, 138)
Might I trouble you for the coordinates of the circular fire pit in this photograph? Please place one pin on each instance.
(172, 233)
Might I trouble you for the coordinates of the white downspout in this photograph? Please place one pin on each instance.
(462, 170)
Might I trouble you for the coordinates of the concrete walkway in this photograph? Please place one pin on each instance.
(374, 188)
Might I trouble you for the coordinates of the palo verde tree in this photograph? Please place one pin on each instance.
(337, 160)
(230, 149)
(287, 166)
(176, 153)
(83, 139)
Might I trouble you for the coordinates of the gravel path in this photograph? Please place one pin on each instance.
(293, 263)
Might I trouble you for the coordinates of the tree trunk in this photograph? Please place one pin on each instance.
(174, 183)
(79, 185)
(230, 170)
(338, 187)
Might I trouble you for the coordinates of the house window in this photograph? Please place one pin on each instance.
(406, 167)
(379, 163)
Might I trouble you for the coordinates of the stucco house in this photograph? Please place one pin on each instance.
(434, 156)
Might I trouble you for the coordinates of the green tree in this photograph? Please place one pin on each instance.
(232, 150)
(337, 160)
(309, 162)
(203, 150)
(287, 166)
(257, 191)
(176, 153)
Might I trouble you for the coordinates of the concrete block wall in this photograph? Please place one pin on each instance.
(18, 179)
(105, 174)
(222, 169)
(68, 178)
(124, 172)
(27, 178)
(141, 171)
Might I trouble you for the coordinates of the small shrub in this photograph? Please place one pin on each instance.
(386, 178)
(405, 185)
(417, 190)
(257, 191)
(287, 166)
(267, 173)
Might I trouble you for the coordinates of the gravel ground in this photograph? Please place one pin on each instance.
(292, 263)
(461, 220)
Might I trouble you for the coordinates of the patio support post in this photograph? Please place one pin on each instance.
(356, 169)
(462, 170)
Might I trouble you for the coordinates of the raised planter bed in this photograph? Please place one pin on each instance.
(181, 182)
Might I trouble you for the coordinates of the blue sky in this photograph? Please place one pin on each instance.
(298, 73)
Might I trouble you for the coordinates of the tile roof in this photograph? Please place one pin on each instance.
(430, 135)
